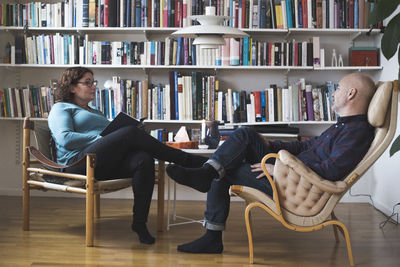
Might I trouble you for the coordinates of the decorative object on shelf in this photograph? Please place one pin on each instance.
(363, 56)
(334, 58)
(210, 33)
(212, 135)
(340, 61)
(7, 54)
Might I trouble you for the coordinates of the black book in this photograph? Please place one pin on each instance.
(299, 55)
(122, 120)
(113, 17)
(309, 54)
(19, 50)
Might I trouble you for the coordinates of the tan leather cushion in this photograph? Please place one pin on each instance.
(379, 104)
(301, 191)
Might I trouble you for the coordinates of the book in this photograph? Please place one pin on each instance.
(121, 120)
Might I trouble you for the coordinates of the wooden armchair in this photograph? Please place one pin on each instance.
(303, 201)
(47, 176)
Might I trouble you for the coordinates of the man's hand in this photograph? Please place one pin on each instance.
(257, 168)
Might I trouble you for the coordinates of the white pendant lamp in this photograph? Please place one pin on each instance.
(210, 33)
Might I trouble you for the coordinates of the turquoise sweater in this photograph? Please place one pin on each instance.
(73, 128)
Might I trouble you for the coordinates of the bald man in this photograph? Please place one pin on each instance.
(332, 155)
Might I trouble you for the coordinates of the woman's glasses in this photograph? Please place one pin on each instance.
(89, 83)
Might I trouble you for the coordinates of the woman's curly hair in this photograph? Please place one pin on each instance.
(70, 76)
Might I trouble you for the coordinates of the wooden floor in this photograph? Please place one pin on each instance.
(57, 238)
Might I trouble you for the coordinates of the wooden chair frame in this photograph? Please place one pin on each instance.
(91, 191)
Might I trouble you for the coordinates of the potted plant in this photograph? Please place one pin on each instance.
(390, 40)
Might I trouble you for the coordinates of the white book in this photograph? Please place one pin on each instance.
(321, 106)
(284, 18)
(331, 14)
(79, 13)
(251, 14)
(48, 15)
(154, 103)
(167, 102)
(220, 96)
(316, 52)
(28, 112)
(295, 102)
(229, 110)
(309, 14)
(304, 54)
(271, 110)
(18, 102)
(252, 110)
(116, 53)
(167, 50)
(11, 102)
(287, 104)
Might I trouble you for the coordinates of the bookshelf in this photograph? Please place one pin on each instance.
(231, 76)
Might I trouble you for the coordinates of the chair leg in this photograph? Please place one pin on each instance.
(160, 197)
(348, 244)
(90, 165)
(26, 206)
(97, 206)
(335, 231)
(249, 233)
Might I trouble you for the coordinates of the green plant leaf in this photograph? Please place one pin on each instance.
(395, 146)
(391, 37)
(382, 10)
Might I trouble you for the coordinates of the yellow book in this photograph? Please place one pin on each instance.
(278, 14)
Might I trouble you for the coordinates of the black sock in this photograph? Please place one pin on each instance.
(210, 242)
(197, 178)
(144, 236)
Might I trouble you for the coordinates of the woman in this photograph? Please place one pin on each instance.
(126, 152)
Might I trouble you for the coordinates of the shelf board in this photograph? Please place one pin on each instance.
(347, 68)
(155, 30)
(199, 122)
(191, 67)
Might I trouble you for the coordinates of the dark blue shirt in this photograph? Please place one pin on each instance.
(336, 151)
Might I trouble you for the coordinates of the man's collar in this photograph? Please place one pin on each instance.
(345, 119)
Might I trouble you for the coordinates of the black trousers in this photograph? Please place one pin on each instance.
(130, 152)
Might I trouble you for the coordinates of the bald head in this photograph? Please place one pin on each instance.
(354, 94)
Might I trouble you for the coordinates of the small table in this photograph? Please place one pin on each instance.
(202, 152)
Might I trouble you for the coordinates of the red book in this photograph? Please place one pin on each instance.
(296, 54)
(305, 18)
(257, 105)
(236, 15)
(269, 53)
(106, 13)
(178, 13)
(351, 14)
(243, 13)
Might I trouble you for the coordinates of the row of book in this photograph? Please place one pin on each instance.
(187, 97)
(198, 96)
(175, 13)
(74, 49)
(28, 101)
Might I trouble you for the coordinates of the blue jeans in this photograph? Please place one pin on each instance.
(243, 148)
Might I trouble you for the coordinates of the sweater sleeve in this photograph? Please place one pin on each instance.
(62, 128)
(294, 147)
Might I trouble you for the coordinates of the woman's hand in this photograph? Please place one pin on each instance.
(257, 168)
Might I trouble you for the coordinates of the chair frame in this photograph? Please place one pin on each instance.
(92, 195)
(349, 181)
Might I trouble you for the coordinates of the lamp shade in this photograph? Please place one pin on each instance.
(210, 33)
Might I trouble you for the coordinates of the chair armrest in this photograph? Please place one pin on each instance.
(305, 172)
(49, 163)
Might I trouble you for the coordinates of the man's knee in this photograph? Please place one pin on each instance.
(245, 132)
